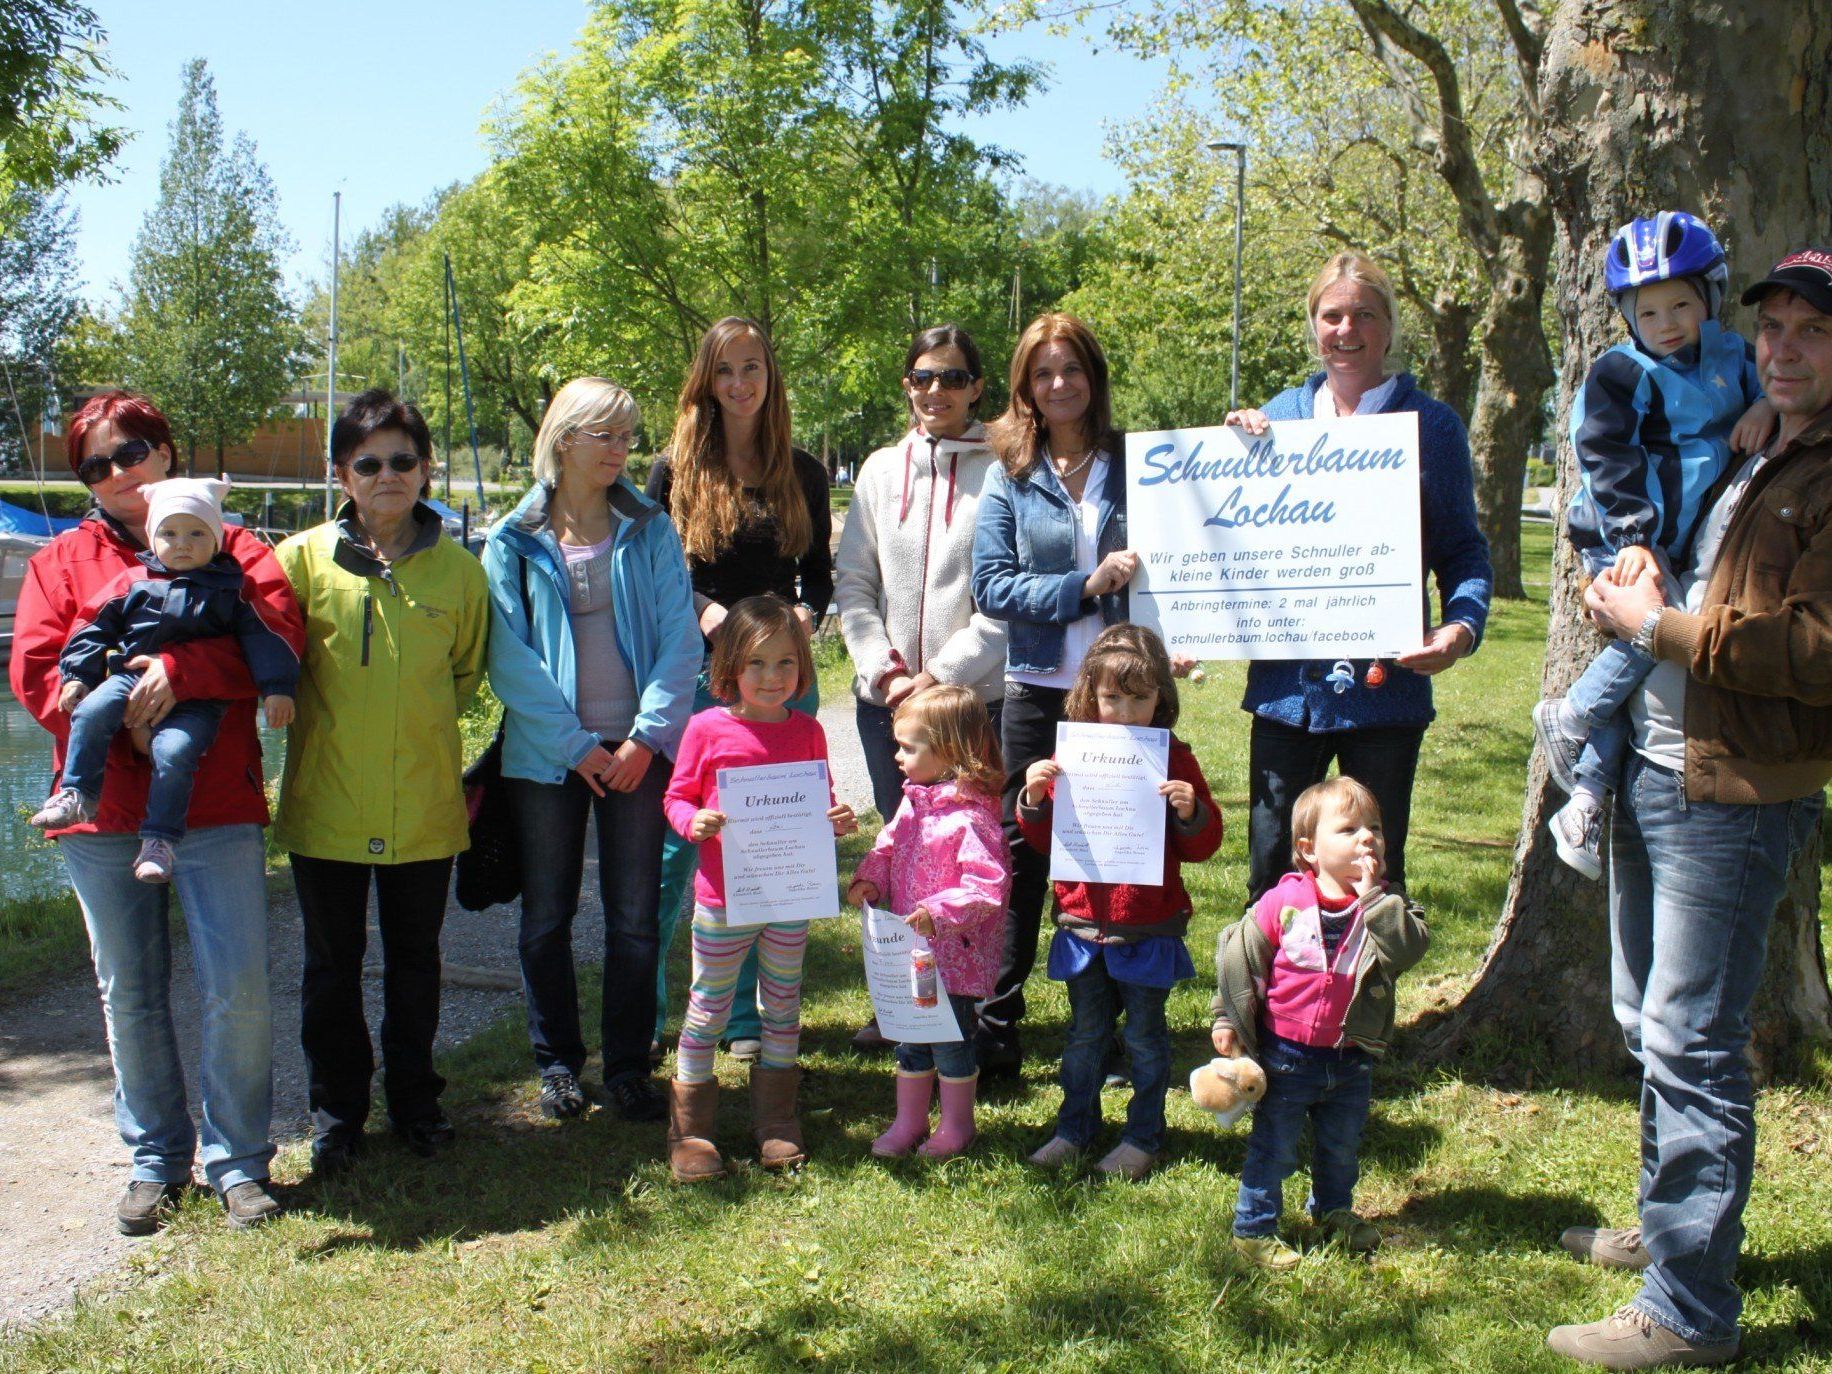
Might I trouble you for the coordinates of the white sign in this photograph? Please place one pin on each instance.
(906, 1012)
(1302, 543)
(1108, 821)
(780, 861)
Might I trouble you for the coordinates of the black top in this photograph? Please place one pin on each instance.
(751, 564)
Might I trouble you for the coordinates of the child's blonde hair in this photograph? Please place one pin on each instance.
(751, 622)
(1133, 659)
(1353, 797)
(960, 732)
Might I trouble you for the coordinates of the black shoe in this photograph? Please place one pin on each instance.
(1000, 1059)
(249, 1204)
(335, 1152)
(636, 1098)
(146, 1204)
(427, 1136)
(561, 1097)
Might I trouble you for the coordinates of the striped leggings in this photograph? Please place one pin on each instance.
(718, 952)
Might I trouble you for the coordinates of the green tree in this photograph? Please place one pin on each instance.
(50, 104)
(37, 306)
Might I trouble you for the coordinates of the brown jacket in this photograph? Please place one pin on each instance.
(1759, 655)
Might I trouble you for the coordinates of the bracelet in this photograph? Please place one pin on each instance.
(1644, 637)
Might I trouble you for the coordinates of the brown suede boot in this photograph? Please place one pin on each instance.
(779, 1137)
(692, 1157)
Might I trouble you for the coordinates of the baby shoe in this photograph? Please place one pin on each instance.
(1268, 1252)
(154, 862)
(1577, 835)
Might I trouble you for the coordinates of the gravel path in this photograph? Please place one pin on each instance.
(62, 1163)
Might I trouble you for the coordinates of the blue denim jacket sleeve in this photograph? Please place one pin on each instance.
(538, 709)
(667, 696)
(1003, 588)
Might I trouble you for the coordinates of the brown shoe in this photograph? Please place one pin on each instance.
(146, 1205)
(1630, 1339)
(692, 1107)
(249, 1204)
(779, 1136)
(1608, 1246)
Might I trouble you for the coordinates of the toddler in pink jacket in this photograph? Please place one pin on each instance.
(942, 863)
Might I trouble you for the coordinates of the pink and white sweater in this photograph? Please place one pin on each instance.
(944, 849)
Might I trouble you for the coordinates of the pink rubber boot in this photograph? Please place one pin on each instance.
(956, 1130)
(912, 1123)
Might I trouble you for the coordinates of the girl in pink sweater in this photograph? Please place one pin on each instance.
(943, 865)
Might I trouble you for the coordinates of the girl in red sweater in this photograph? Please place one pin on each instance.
(1119, 946)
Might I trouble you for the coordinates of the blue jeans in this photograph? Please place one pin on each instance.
(178, 743)
(1692, 889)
(879, 746)
(1600, 698)
(954, 1058)
(1096, 999)
(221, 882)
(1332, 1090)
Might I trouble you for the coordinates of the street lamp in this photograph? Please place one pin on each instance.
(1240, 202)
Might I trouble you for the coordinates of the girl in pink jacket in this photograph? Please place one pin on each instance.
(943, 865)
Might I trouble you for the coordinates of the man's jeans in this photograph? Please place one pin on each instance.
(1692, 889)
(1096, 999)
(178, 742)
(1600, 698)
(1330, 1088)
(221, 883)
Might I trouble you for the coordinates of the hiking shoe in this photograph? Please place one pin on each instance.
(66, 806)
(746, 1049)
(154, 862)
(1610, 1247)
(636, 1098)
(1630, 1339)
(146, 1204)
(427, 1136)
(1054, 1152)
(1560, 747)
(1127, 1161)
(335, 1152)
(1358, 1235)
(249, 1204)
(561, 1098)
(1577, 835)
(1267, 1252)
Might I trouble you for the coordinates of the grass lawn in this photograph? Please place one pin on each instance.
(544, 1246)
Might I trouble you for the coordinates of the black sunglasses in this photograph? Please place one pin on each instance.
(97, 467)
(368, 465)
(951, 378)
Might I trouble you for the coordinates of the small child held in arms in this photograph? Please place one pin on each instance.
(1305, 985)
(187, 589)
(1653, 429)
(942, 863)
(1119, 946)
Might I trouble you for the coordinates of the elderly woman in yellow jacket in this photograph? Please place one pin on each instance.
(397, 619)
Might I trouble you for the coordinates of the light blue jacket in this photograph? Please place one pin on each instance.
(532, 668)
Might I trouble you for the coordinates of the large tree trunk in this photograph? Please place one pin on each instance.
(1720, 108)
(1449, 372)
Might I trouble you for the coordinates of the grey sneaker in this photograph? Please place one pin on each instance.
(155, 861)
(1054, 1152)
(64, 807)
(561, 1097)
(1630, 1339)
(1577, 835)
(1560, 747)
(249, 1204)
(746, 1049)
(1611, 1247)
(1127, 1161)
(146, 1204)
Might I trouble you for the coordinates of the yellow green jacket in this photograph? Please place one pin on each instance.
(393, 655)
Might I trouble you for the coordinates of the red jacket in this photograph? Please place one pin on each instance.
(1117, 912)
(66, 574)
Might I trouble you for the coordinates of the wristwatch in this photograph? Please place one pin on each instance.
(1644, 637)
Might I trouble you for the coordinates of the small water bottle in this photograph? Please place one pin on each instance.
(924, 991)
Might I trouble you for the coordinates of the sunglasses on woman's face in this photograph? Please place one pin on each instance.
(368, 465)
(96, 467)
(951, 378)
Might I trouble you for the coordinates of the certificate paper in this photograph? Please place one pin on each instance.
(888, 944)
(1109, 819)
(780, 862)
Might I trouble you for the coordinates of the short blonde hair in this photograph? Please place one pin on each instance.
(581, 402)
(960, 732)
(1351, 796)
(1363, 271)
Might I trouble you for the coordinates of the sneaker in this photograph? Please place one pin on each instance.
(636, 1098)
(561, 1098)
(1610, 1247)
(146, 1204)
(1127, 1161)
(1358, 1235)
(869, 1037)
(154, 862)
(335, 1152)
(66, 806)
(1577, 835)
(249, 1204)
(746, 1049)
(1268, 1252)
(1054, 1152)
(429, 1135)
(1560, 747)
(1630, 1339)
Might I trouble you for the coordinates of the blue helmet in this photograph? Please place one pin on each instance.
(1671, 245)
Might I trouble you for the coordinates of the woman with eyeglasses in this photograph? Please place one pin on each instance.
(593, 654)
(903, 573)
(119, 445)
(396, 617)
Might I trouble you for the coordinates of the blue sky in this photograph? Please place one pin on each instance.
(383, 101)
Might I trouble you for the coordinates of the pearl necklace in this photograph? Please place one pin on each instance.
(1064, 476)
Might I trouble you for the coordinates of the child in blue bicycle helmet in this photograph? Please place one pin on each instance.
(1654, 428)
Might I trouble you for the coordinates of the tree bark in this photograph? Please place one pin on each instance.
(1726, 110)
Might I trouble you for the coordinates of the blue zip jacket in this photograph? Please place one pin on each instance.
(1293, 691)
(532, 668)
(1024, 559)
(1652, 435)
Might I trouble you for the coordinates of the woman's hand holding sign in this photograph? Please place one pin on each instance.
(1114, 572)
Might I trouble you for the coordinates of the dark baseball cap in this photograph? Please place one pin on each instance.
(1807, 273)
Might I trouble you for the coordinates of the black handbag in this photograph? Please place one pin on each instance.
(490, 871)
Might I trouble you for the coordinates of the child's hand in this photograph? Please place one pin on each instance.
(1751, 433)
(705, 825)
(1632, 564)
(277, 711)
(1225, 1041)
(1181, 796)
(1037, 780)
(73, 692)
(921, 922)
(861, 892)
(1369, 869)
(844, 822)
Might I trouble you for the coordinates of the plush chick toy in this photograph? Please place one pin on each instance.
(1228, 1087)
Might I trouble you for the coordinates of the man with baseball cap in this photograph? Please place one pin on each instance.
(1733, 748)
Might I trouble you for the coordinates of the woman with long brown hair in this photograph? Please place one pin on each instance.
(753, 516)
